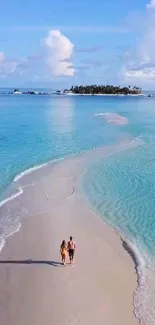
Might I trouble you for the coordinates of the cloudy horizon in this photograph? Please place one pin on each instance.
(95, 45)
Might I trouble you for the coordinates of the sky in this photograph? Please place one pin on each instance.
(56, 44)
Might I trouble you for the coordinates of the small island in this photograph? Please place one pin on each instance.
(91, 90)
(104, 90)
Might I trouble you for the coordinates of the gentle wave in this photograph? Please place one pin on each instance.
(143, 298)
(11, 197)
(20, 190)
(36, 167)
(140, 295)
(3, 240)
(29, 171)
(16, 228)
(12, 229)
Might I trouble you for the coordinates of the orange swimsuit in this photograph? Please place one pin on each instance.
(63, 250)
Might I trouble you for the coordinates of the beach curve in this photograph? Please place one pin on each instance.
(102, 265)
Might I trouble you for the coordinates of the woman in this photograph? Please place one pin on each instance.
(63, 252)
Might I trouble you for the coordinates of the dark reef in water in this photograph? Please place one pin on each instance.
(18, 92)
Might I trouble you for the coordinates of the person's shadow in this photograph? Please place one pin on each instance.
(30, 261)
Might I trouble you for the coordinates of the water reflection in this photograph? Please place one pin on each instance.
(62, 114)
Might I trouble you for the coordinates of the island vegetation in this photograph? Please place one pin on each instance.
(105, 89)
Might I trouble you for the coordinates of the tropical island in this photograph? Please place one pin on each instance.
(104, 90)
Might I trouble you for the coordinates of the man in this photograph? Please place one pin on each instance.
(71, 249)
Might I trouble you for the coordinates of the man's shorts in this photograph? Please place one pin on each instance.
(71, 253)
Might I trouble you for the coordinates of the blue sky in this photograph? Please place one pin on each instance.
(59, 43)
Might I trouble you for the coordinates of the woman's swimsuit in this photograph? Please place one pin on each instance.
(63, 251)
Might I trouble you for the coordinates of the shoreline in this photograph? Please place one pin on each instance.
(114, 95)
(21, 180)
(74, 94)
(23, 245)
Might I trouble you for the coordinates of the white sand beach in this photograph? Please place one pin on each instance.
(35, 288)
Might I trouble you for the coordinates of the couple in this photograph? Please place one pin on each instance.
(67, 248)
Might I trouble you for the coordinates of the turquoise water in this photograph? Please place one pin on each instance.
(37, 129)
(122, 188)
(44, 128)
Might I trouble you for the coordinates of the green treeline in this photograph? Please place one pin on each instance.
(108, 89)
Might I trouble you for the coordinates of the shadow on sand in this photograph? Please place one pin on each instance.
(29, 261)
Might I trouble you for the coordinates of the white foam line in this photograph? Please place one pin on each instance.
(31, 169)
(28, 171)
(141, 261)
(11, 234)
(10, 198)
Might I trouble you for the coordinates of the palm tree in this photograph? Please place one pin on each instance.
(108, 89)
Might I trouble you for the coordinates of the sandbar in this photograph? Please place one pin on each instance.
(113, 118)
(34, 287)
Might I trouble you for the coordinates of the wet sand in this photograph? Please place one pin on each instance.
(35, 288)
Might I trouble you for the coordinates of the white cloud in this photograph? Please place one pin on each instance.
(7, 66)
(57, 58)
(139, 65)
(2, 58)
(151, 5)
(147, 73)
(60, 50)
(19, 67)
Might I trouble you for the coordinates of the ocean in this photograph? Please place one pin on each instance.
(35, 130)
